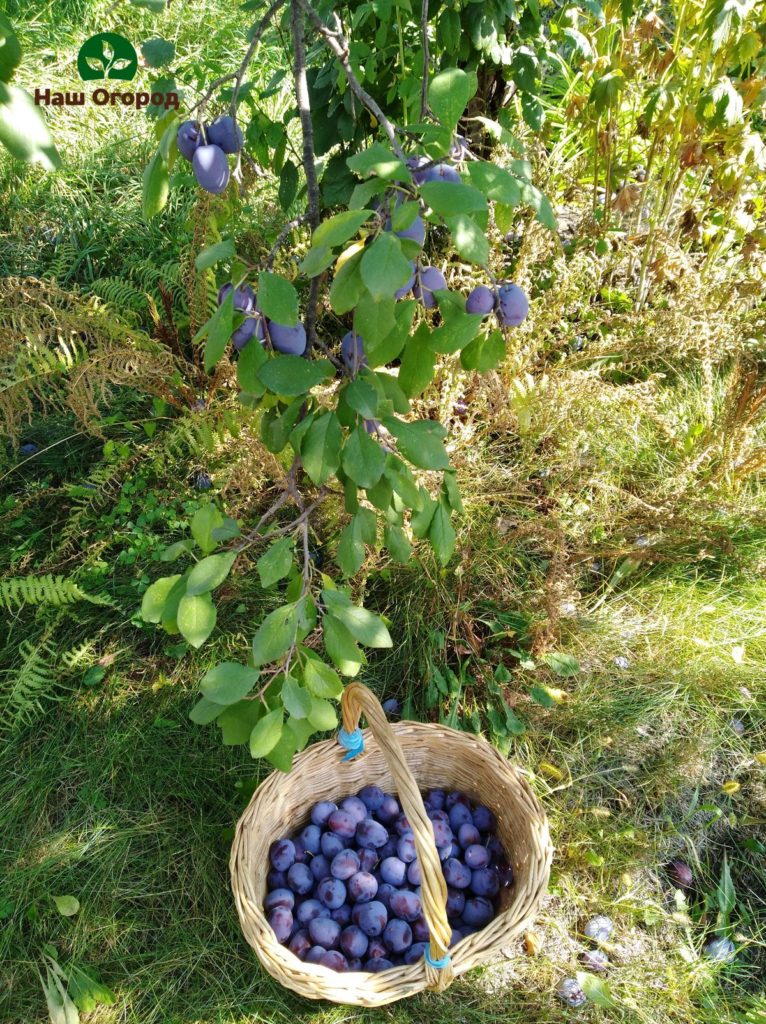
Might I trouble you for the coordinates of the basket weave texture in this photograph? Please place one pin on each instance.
(403, 758)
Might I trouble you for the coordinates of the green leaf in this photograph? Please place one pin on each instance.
(362, 397)
(338, 229)
(155, 6)
(390, 347)
(210, 572)
(347, 285)
(322, 680)
(277, 425)
(293, 375)
(374, 320)
(384, 267)
(10, 50)
(418, 361)
(206, 519)
(67, 905)
(495, 183)
(316, 260)
(363, 459)
(213, 254)
(196, 618)
(469, 239)
(23, 130)
(277, 299)
(174, 551)
(282, 754)
(397, 542)
(251, 359)
(275, 563)
(156, 186)
(541, 696)
(170, 611)
(276, 634)
(420, 442)
(597, 990)
(340, 647)
(452, 492)
(449, 198)
(218, 330)
(155, 597)
(157, 52)
(363, 625)
(288, 184)
(441, 533)
(376, 159)
(605, 89)
(403, 482)
(449, 93)
(421, 519)
(266, 733)
(238, 720)
(322, 715)
(205, 711)
(562, 664)
(320, 448)
(350, 554)
(296, 700)
(228, 682)
(484, 353)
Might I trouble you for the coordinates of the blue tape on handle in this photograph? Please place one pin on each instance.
(438, 964)
(352, 741)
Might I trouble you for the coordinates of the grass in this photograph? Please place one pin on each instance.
(614, 504)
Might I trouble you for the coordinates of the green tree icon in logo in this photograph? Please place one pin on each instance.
(107, 55)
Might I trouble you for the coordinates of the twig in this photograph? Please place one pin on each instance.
(336, 42)
(309, 160)
(424, 109)
(239, 74)
(282, 236)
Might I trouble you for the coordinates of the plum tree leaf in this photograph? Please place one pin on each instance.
(206, 519)
(196, 618)
(158, 52)
(340, 646)
(213, 254)
(23, 130)
(365, 627)
(316, 260)
(468, 238)
(384, 267)
(237, 721)
(296, 699)
(397, 542)
(210, 572)
(320, 448)
(496, 183)
(276, 634)
(10, 49)
(155, 598)
(275, 563)
(292, 375)
(288, 184)
(420, 442)
(217, 330)
(449, 93)
(322, 715)
(266, 733)
(347, 285)
(277, 299)
(450, 198)
(376, 159)
(322, 680)
(228, 682)
(339, 228)
(418, 361)
(363, 459)
(205, 711)
(441, 532)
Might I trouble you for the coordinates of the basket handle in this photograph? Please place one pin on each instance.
(357, 699)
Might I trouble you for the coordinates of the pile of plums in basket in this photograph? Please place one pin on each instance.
(344, 891)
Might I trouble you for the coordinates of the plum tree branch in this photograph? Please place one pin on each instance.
(424, 108)
(309, 159)
(338, 44)
(290, 226)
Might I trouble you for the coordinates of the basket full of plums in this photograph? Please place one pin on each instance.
(389, 863)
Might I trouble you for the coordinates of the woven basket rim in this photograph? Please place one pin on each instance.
(365, 988)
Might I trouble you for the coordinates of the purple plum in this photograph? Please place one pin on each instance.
(211, 168)
(188, 139)
(512, 305)
(428, 281)
(225, 133)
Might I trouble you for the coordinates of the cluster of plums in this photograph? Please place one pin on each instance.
(208, 148)
(288, 340)
(344, 892)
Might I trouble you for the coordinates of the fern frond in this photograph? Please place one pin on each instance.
(51, 590)
(23, 695)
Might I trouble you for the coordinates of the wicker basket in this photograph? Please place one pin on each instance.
(402, 758)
